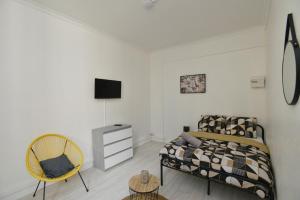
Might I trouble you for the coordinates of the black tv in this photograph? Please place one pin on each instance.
(107, 89)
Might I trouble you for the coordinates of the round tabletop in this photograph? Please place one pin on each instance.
(136, 185)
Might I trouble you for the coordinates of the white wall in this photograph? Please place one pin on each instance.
(283, 120)
(229, 61)
(47, 68)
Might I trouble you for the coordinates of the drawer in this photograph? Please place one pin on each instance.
(118, 158)
(117, 135)
(117, 147)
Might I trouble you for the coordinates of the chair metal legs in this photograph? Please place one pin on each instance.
(44, 193)
(83, 182)
(44, 189)
(37, 187)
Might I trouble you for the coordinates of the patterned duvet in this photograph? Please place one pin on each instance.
(240, 165)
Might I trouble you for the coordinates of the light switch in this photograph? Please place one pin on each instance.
(257, 82)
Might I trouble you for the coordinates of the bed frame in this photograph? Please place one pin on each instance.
(272, 193)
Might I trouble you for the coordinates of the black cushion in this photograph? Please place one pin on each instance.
(56, 167)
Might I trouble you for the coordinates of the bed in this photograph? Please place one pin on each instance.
(231, 152)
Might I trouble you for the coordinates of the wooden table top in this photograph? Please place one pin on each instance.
(136, 185)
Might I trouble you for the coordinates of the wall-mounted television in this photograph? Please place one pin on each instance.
(107, 89)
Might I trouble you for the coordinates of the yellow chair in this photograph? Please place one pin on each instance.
(51, 146)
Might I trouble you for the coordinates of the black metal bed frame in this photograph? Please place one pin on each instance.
(272, 193)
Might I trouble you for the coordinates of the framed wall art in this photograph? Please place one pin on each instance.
(193, 84)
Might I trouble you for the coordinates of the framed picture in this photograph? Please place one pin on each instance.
(193, 84)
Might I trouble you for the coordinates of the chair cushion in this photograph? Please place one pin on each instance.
(56, 167)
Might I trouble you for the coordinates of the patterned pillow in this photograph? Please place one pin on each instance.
(213, 124)
(242, 126)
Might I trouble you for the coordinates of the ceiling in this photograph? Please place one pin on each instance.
(168, 23)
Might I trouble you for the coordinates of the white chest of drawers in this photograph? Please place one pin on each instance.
(111, 145)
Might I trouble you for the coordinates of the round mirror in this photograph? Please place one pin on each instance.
(290, 74)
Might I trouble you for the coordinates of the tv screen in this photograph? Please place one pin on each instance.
(107, 89)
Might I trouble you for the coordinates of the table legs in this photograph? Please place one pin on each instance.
(143, 196)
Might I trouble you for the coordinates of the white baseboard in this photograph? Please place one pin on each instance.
(157, 139)
(19, 190)
(27, 187)
(141, 141)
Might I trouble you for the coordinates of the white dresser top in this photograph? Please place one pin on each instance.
(112, 128)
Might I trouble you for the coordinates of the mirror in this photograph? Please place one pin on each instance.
(291, 65)
(289, 75)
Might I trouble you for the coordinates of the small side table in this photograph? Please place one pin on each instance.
(140, 191)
